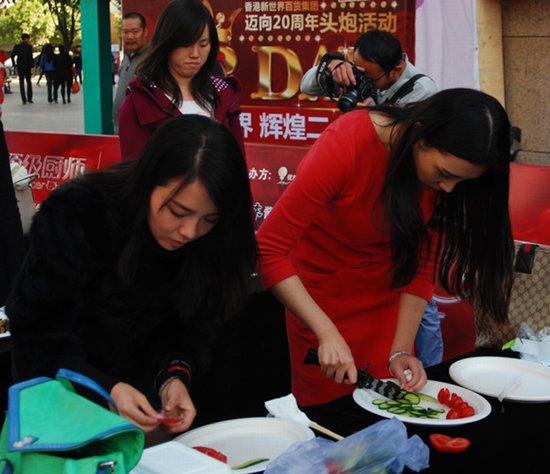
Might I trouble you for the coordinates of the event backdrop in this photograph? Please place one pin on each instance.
(268, 45)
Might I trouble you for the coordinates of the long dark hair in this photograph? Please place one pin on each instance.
(181, 23)
(475, 244)
(48, 52)
(216, 269)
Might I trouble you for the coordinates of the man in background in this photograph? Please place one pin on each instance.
(379, 57)
(134, 37)
(25, 66)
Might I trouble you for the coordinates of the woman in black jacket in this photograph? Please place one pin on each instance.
(63, 74)
(132, 271)
(12, 243)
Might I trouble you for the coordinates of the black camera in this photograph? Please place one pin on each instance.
(362, 89)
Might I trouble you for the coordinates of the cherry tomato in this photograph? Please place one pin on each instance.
(447, 444)
(467, 411)
(443, 396)
(212, 453)
(455, 401)
(453, 414)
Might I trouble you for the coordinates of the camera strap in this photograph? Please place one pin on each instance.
(324, 76)
(404, 89)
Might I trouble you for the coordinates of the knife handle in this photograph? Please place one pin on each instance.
(312, 357)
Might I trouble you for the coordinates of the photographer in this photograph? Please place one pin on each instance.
(379, 58)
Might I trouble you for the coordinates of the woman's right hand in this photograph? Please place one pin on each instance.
(336, 360)
(134, 406)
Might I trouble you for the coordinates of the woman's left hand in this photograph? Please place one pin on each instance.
(409, 371)
(177, 405)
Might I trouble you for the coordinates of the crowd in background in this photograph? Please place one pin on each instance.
(61, 69)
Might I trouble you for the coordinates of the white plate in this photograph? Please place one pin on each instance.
(247, 438)
(490, 375)
(364, 397)
(176, 458)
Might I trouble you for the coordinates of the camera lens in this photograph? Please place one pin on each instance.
(354, 94)
(348, 100)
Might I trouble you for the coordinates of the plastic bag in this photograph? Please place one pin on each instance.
(382, 447)
(530, 345)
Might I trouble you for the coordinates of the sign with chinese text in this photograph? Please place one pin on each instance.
(57, 157)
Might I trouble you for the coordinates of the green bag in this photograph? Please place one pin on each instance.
(50, 429)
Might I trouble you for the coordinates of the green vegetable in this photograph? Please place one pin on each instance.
(408, 405)
(427, 398)
(252, 462)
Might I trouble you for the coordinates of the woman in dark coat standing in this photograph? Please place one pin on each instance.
(63, 74)
(12, 243)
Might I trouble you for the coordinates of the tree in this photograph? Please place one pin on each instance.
(66, 16)
(29, 16)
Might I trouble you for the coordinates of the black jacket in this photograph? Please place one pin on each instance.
(25, 61)
(12, 244)
(70, 309)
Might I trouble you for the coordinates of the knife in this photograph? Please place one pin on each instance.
(364, 379)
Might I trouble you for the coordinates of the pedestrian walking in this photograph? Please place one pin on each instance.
(77, 64)
(63, 74)
(47, 66)
(21, 57)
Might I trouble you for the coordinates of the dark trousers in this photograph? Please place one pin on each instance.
(25, 76)
(49, 85)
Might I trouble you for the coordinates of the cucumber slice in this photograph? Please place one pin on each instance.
(413, 398)
(250, 463)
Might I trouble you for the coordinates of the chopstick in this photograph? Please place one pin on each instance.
(510, 387)
(325, 431)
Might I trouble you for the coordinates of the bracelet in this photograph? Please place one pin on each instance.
(396, 354)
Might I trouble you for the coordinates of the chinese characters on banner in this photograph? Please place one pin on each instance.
(57, 157)
(268, 45)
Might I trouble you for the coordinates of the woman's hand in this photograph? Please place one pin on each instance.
(336, 360)
(415, 378)
(177, 404)
(134, 406)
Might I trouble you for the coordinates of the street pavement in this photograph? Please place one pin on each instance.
(42, 116)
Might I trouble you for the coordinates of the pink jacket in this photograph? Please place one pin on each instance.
(146, 108)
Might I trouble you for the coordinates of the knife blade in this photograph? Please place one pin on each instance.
(388, 389)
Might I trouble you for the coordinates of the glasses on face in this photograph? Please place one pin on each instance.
(376, 79)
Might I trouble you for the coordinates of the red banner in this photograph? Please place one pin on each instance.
(268, 45)
(57, 157)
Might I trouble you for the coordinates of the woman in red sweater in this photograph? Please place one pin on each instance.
(350, 246)
(176, 78)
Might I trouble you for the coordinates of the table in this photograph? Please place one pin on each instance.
(514, 438)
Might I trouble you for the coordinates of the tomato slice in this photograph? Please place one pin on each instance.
(212, 453)
(168, 421)
(453, 414)
(446, 444)
(467, 411)
(443, 396)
